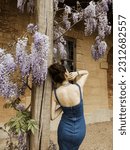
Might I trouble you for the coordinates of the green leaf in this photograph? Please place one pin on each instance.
(32, 130)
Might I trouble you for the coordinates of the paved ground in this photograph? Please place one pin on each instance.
(99, 137)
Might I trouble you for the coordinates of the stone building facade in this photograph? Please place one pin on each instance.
(98, 88)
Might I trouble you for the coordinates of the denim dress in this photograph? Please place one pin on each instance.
(72, 127)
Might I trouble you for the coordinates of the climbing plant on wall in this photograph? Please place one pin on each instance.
(94, 16)
(26, 62)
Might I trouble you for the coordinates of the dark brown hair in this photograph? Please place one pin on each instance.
(57, 72)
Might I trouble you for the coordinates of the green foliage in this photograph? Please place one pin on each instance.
(22, 122)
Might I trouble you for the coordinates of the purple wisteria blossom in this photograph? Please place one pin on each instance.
(67, 9)
(22, 58)
(22, 141)
(1, 52)
(21, 5)
(99, 48)
(62, 50)
(90, 21)
(59, 44)
(7, 66)
(102, 48)
(30, 6)
(101, 13)
(56, 5)
(20, 107)
(76, 17)
(9, 63)
(39, 57)
(31, 28)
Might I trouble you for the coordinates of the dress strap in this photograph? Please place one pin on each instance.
(56, 97)
(79, 90)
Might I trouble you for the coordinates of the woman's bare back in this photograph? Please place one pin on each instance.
(68, 95)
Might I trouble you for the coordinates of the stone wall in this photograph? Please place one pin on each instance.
(96, 90)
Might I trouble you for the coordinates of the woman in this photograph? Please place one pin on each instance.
(72, 128)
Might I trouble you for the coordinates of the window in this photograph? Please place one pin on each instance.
(69, 62)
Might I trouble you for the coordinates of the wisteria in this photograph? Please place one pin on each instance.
(90, 21)
(22, 141)
(8, 89)
(67, 11)
(22, 58)
(55, 6)
(76, 17)
(99, 48)
(59, 44)
(39, 57)
(31, 28)
(21, 5)
(95, 19)
(34, 62)
(94, 15)
(103, 24)
(62, 50)
(20, 107)
(30, 6)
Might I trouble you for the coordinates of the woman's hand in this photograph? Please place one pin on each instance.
(72, 75)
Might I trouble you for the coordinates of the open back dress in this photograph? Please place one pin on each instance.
(72, 127)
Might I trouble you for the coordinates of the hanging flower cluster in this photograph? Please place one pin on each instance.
(31, 28)
(30, 5)
(36, 62)
(94, 15)
(22, 141)
(66, 13)
(22, 58)
(99, 48)
(7, 66)
(39, 54)
(90, 21)
(101, 12)
(56, 2)
(75, 17)
(69, 17)
(59, 44)
(95, 18)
